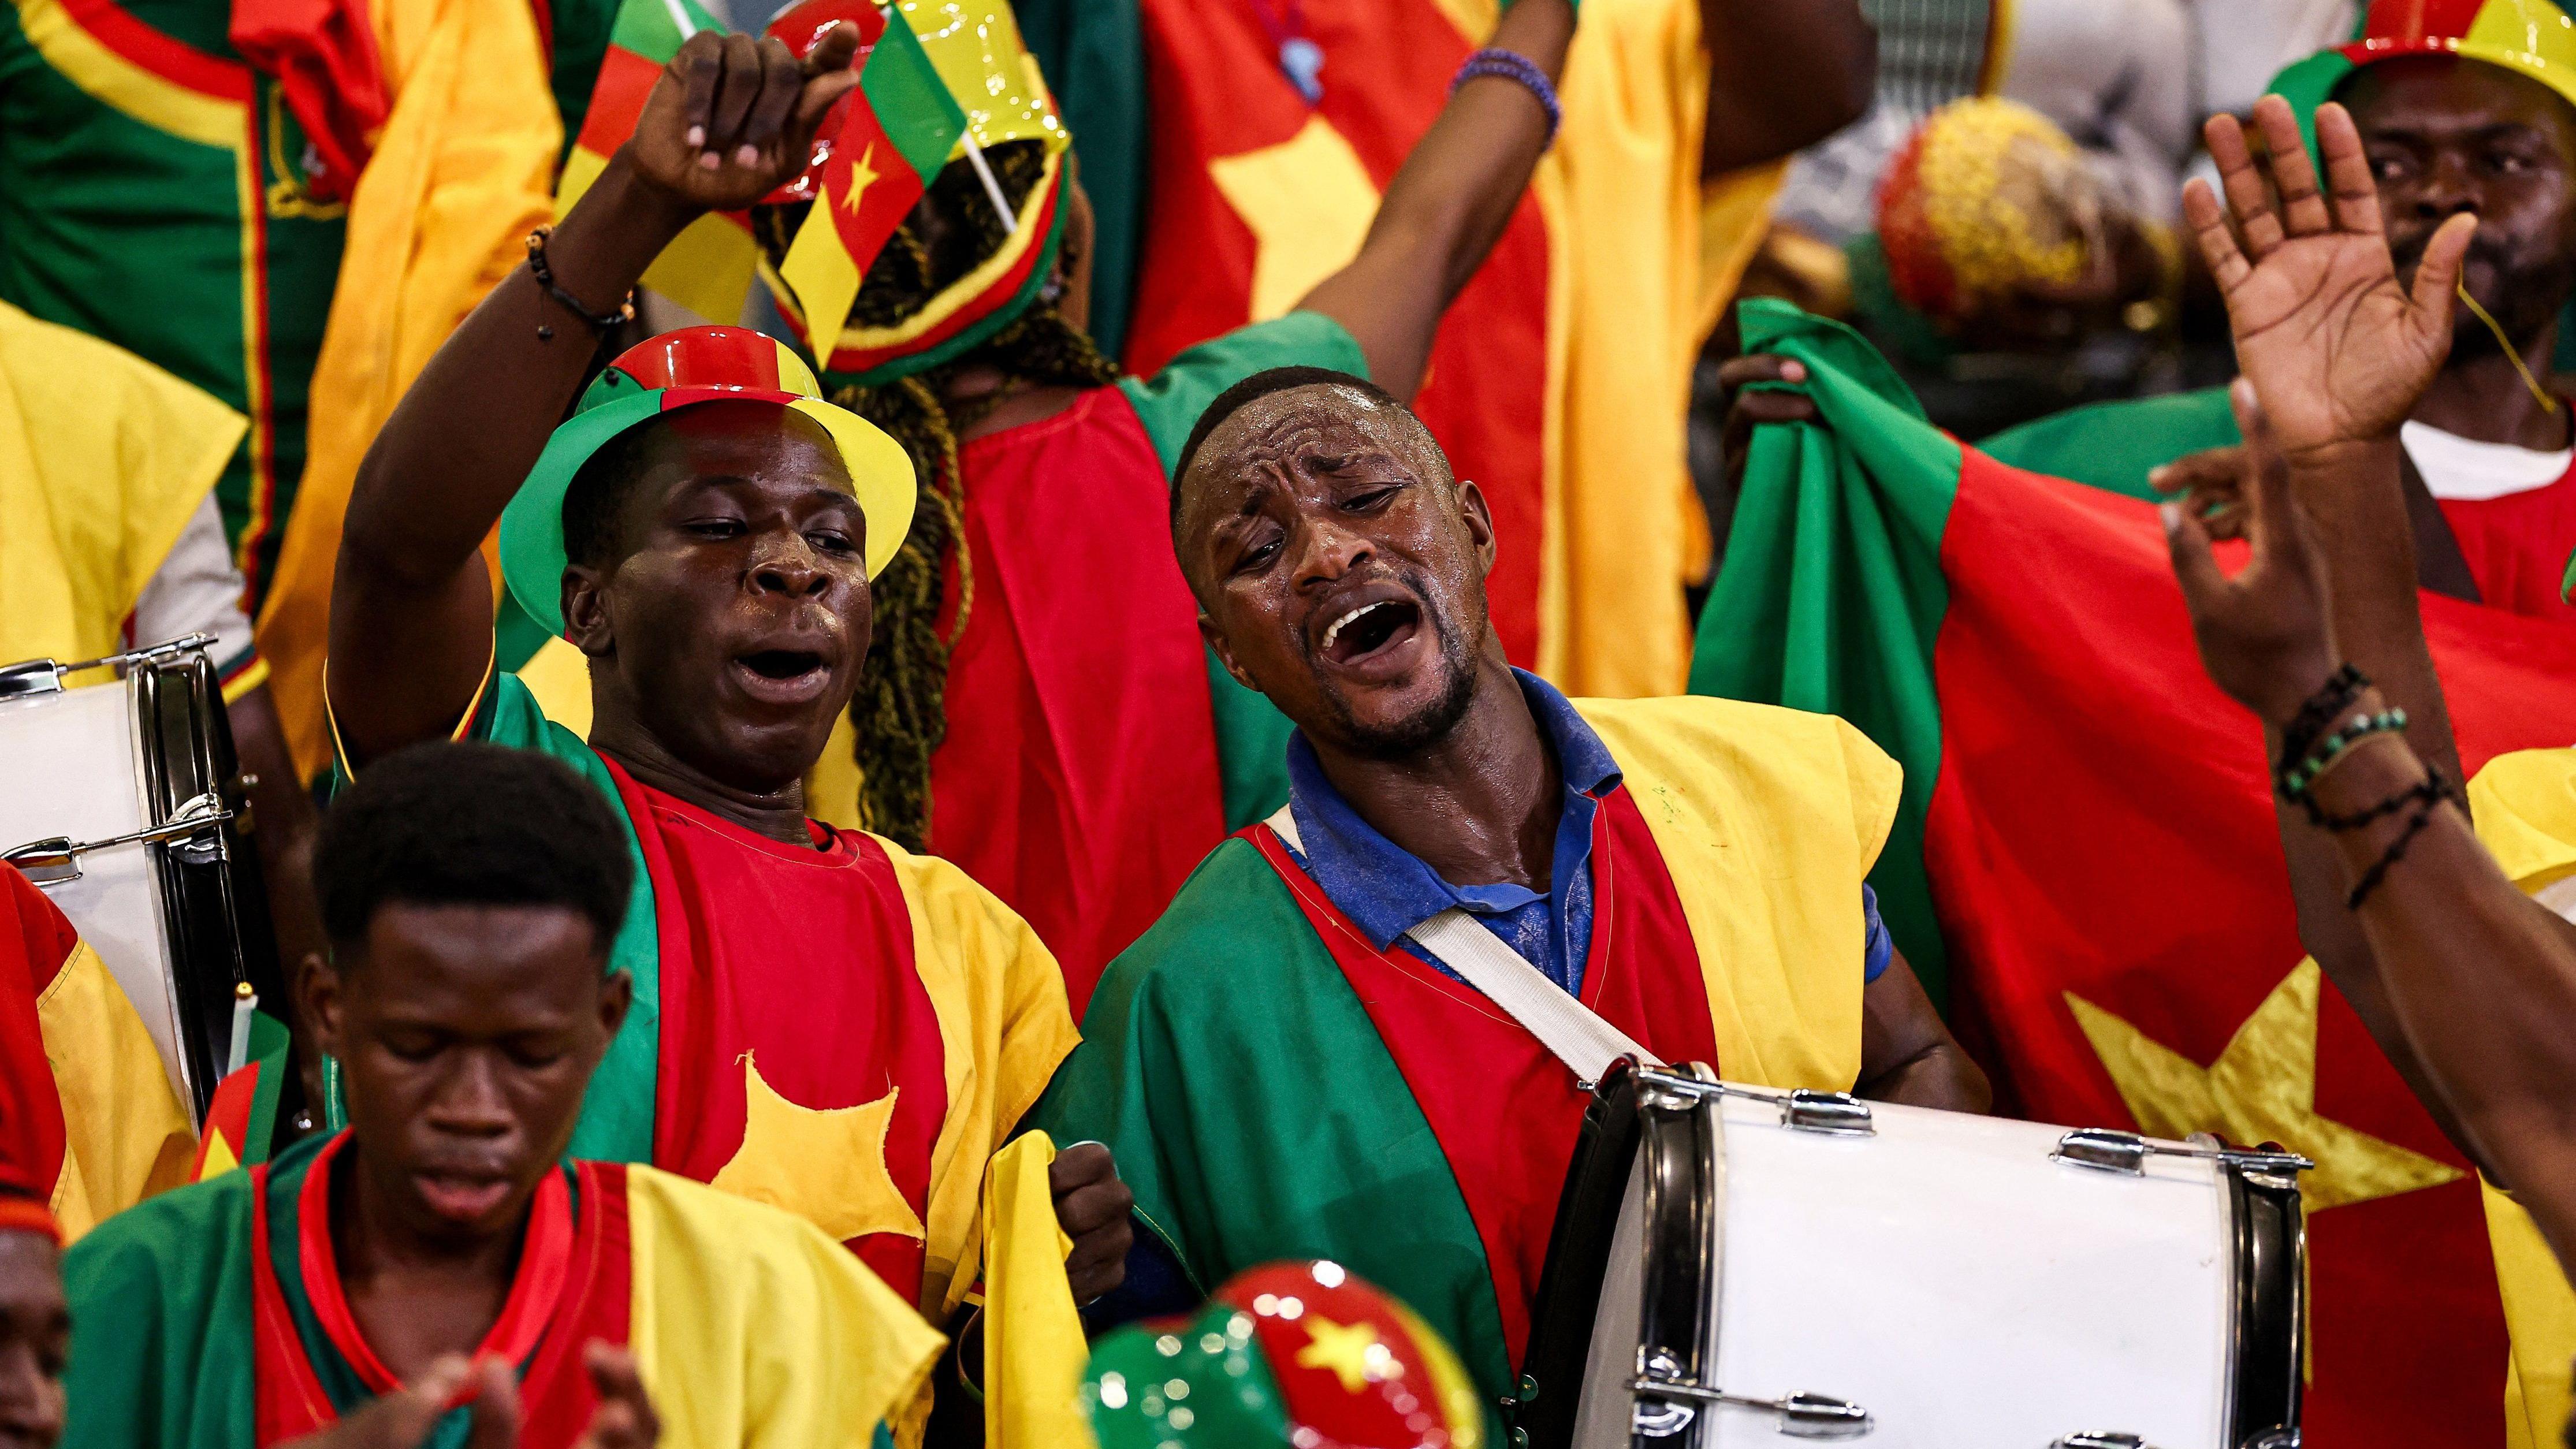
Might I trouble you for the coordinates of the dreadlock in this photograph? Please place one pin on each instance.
(900, 711)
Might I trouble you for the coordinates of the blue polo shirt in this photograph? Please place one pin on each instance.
(1387, 891)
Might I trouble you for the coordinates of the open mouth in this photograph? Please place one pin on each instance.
(783, 676)
(1369, 630)
(462, 1197)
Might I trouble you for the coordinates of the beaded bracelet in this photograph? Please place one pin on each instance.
(2293, 783)
(602, 323)
(2429, 789)
(2332, 698)
(1512, 65)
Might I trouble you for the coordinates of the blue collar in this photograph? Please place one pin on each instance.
(1387, 890)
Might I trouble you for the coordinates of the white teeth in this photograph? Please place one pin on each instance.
(1335, 631)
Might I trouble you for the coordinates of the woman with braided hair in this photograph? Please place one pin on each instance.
(1037, 705)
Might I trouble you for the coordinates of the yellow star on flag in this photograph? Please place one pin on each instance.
(862, 176)
(2262, 1088)
(1350, 1350)
(1308, 201)
(827, 1165)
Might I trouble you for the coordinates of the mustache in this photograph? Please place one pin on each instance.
(2496, 252)
(1415, 582)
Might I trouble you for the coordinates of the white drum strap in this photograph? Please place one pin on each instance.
(1574, 1032)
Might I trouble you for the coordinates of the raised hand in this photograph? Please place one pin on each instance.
(2266, 636)
(2338, 349)
(733, 116)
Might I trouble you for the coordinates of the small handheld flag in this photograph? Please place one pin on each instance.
(892, 141)
(707, 268)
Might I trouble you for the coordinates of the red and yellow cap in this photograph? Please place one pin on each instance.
(2529, 37)
(1294, 1354)
(673, 371)
(1985, 195)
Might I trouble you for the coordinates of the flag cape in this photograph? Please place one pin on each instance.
(894, 136)
(859, 1070)
(1349, 1107)
(708, 267)
(2087, 842)
(153, 195)
(462, 172)
(1559, 380)
(88, 1119)
(197, 1326)
(103, 459)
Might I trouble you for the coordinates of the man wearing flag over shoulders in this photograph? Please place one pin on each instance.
(471, 895)
(1286, 1067)
(822, 1020)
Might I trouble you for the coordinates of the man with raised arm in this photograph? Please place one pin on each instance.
(471, 894)
(822, 1020)
(2464, 985)
(1283, 1064)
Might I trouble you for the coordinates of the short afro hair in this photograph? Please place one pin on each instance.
(598, 491)
(470, 824)
(1260, 385)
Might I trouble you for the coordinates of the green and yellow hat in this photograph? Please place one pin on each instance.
(673, 371)
(975, 46)
(2528, 37)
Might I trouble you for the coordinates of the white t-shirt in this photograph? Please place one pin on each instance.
(197, 590)
(2463, 470)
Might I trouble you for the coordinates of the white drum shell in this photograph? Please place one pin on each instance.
(1949, 1277)
(73, 766)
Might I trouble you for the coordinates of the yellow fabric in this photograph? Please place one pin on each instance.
(824, 1164)
(1004, 1026)
(752, 1330)
(559, 676)
(1767, 819)
(103, 458)
(461, 174)
(125, 1136)
(2262, 1088)
(706, 268)
(2525, 807)
(832, 786)
(1033, 1344)
(2540, 1311)
(1308, 201)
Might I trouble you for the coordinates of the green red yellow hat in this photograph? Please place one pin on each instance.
(2534, 38)
(1293, 1354)
(678, 370)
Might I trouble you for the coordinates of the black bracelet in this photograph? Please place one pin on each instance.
(2429, 789)
(2396, 851)
(602, 323)
(2331, 699)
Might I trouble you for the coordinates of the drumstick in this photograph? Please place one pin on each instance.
(245, 1001)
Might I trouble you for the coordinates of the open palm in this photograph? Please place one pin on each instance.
(2337, 348)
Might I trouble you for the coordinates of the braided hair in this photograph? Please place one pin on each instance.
(900, 711)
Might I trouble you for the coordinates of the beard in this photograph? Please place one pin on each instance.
(2525, 294)
(1437, 716)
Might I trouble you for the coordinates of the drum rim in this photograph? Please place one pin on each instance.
(2268, 1315)
(1564, 1314)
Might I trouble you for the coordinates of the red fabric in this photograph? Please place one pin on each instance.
(35, 940)
(2128, 855)
(798, 961)
(1474, 1071)
(2517, 547)
(1078, 780)
(1216, 90)
(228, 1117)
(323, 53)
(617, 99)
(545, 1259)
(169, 59)
(574, 1287)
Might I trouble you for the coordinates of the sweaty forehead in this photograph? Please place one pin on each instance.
(2441, 93)
(1319, 419)
(751, 441)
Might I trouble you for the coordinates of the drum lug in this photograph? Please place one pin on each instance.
(2108, 1149)
(1835, 1114)
(2098, 1441)
(1802, 1416)
(46, 676)
(55, 860)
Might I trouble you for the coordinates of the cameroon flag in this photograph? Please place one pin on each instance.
(708, 267)
(893, 139)
(88, 1118)
(2086, 852)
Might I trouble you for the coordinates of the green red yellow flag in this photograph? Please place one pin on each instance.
(893, 138)
(707, 268)
(2087, 856)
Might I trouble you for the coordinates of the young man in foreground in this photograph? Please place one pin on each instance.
(470, 894)
(1286, 1071)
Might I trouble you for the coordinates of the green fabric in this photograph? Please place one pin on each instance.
(136, 236)
(973, 336)
(912, 104)
(581, 31)
(1226, 1396)
(161, 1323)
(1831, 592)
(339, 1380)
(272, 1047)
(2112, 445)
(516, 638)
(1093, 54)
(1251, 735)
(1256, 1114)
(1914, 335)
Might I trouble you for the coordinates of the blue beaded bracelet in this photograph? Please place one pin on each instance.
(1512, 65)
